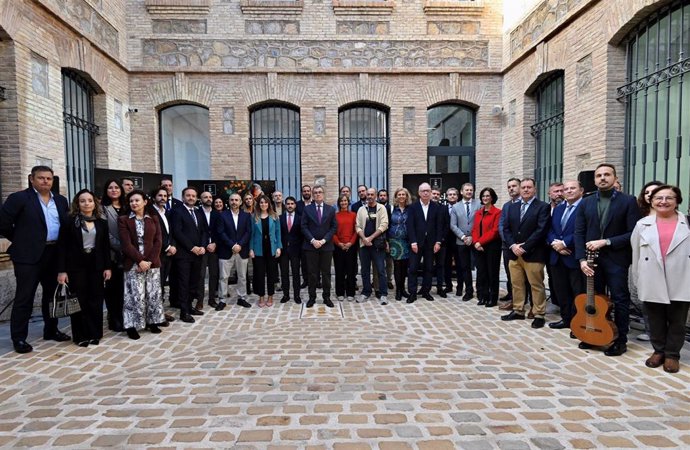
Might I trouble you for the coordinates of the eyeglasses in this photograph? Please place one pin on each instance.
(659, 198)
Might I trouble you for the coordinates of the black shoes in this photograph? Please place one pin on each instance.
(538, 322)
(154, 329)
(58, 336)
(507, 298)
(467, 297)
(490, 303)
(559, 325)
(442, 293)
(285, 299)
(298, 301)
(616, 349)
(212, 303)
(94, 342)
(220, 306)
(83, 344)
(304, 285)
(243, 303)
(187, 318)
(513, 316)
(328, 303)
(481, 302)
(196, 312)
(398, 295)
(584, 346)
(311, 303)
(428, 297)
(132, 333)
(22, 346)
(412, 298)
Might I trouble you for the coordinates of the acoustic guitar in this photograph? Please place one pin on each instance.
(592, 323)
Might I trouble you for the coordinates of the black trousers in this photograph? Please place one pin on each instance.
(440, 267)
(667, 327)
(28, 277)
(488, 269)
(425, 256)
(290, 263)
(188, 269)
(265, 272)
(506, 260)
(174, 298)
(113, 293)
(400, 268)
(465, 269)
(345, 264)
(615, 277)
(451, 255)
(88, 285)
(319, 264)
(208, 261)
(567, 284)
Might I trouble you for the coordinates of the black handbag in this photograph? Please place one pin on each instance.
(379, 242)
(64, 302)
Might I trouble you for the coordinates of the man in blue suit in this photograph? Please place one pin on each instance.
(232, 239)
(524, 231)
(604, 223)
(318, 227)
(567, 277)
(291, 234)
(191, 234)
(31, 220)
(425, 233)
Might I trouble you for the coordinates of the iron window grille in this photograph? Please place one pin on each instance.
(276, 147)
(548, 133)
(80, 130)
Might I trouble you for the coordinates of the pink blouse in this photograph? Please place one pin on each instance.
(666, 230)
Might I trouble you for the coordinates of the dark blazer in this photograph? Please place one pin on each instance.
(565, 234)
(292, 240)
(211, 224)
(227, 236)
(175, 203)
(71, 256)
(130, 242)
(187, 234)
(312, 229)
(167, 238)
(622, 216)
(22, 222)
(444, 216)
(531, 231)
(301, 205)
(356, 205)
(425, 232)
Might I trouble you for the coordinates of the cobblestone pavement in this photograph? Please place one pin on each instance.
(432, 375)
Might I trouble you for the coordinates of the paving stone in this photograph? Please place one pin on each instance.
(255, 436)
(465, 417)
(383, 445)
(512, 445)
(582, 443)
(647, 425)
(408, 431)
(67, 440)
(390, 418)
(268, 421)
(146, 438)
(374, 433)
(351, 446)
(189, 436)
(609, 426)
(222, 436)
(110, 440)
(436, 445)
(656, 441)
(296, 435)
(547, 443)
(477, 445)
(470, 430)
(616, 442)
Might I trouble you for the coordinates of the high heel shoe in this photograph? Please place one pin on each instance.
(261, 302)
(132, 333)
(269, 303)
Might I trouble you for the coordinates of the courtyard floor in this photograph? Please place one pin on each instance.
(432, 375)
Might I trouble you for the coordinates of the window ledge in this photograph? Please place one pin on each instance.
(178, 6)
(363, 7)
(449, 7)
(279, 7)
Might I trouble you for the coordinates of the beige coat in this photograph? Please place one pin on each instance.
(381, 220)
(656, 283)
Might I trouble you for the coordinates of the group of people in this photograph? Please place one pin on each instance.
(125, 247)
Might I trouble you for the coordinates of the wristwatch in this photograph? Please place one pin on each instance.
(608, 242)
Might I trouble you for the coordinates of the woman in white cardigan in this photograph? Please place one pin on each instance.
(661, 271)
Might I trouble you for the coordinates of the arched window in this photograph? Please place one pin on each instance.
(185, 146)
(657, 96)
(275, 146)
(363, 146)
(451, 140)
(548, 133)
(80, 130)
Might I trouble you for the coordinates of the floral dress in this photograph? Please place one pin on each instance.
(397, 235)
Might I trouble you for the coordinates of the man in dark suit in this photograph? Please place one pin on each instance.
(168, 249)
(291, 235)
(525, 231)
(232, 236)
(191, 234)
(210, 259)
(513, 185)
(31, 220)
(304, 201)
(565, 276)
(424, 231)
(440, 257)
(461, 223)
(318, 228)
(362, 194)
(604, 224)
(172, 203)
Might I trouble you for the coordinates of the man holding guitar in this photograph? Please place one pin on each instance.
(604, 224)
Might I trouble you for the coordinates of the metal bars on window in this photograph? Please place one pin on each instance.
(548, 133)
(657, 97)
(2, 94)
(363, 147)
(80, 131)
(275, 146)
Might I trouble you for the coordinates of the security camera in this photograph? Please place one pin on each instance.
(133, 110)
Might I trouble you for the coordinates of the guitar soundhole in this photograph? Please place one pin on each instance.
(590, 309)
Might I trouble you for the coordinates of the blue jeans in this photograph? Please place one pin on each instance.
(367, 254)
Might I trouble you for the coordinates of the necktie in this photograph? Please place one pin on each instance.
(318, 213)
(191, 211)
(566, 215)
(289, 221)
(523, 209)
(467, 208)
(167, 205)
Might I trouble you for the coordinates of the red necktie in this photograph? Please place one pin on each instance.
(289, 222)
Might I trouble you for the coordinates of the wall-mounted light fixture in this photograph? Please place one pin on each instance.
(2, 94)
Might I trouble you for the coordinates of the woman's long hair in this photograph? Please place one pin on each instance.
(642, 203)
(105, 200)
(257, 208)
(74, 209)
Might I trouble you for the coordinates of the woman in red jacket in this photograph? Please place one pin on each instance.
(345, 251)
(487, 242)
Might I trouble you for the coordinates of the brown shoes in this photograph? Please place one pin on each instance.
(671, 365)
(199, 305)
(508, 306)
(655, 360)
(530, 314)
